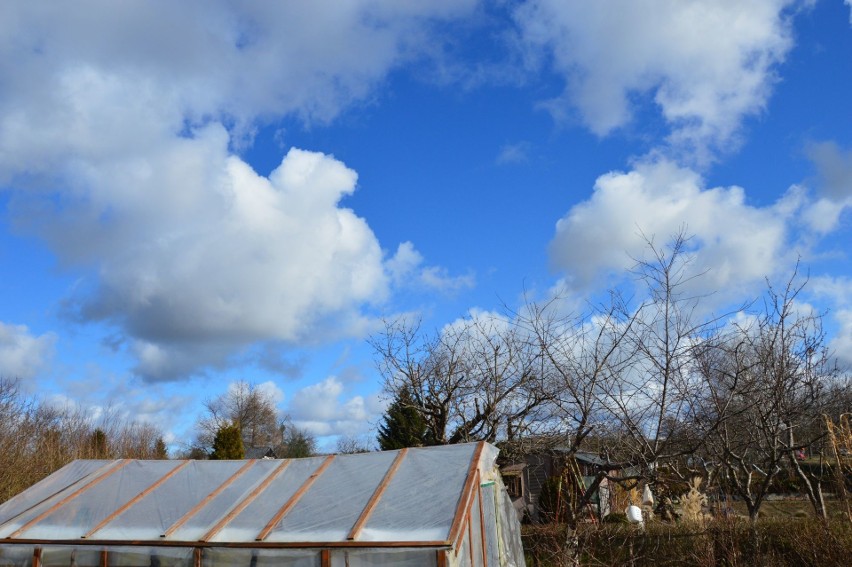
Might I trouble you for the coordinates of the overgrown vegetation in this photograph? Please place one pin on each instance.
(37, 438)
(719, 542)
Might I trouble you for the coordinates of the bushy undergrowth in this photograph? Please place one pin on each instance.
(722, 542)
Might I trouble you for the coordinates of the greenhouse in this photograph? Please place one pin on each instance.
(436, 506)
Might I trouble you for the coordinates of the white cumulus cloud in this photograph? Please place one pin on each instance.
(838, 292)
(323, 409)
(734, 242)
(198, 254)
(834, 188)
(706, 64)
(23, 355)
(406, 267)
(118, 126)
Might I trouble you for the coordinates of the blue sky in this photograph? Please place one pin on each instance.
(195, 193)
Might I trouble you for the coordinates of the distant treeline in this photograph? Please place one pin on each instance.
(37, 438)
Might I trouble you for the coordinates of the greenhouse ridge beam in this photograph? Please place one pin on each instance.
(186, 517)
(293, 499)
(248, 500)
(69, 498)
(374, 499)
(137, 498)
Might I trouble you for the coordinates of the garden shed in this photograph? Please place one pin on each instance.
(435, 506)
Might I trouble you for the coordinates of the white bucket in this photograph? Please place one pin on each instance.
(634, 514)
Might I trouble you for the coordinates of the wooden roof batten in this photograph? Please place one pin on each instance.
(121, 464)
(248, 500)
(195, 509)
(267, 529)
(374, 499)
(137, 498)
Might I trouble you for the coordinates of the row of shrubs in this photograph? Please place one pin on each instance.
(720, 542)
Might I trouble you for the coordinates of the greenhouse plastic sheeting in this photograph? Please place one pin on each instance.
(383, 558)
(16, 556)
(411, 490)
(260, 558)
(151, 516)
(420, 506)
(43, 494)
(489, 512)
(329, 510)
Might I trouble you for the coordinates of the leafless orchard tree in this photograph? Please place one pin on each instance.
(655, 399)
(768, 384)
(580, 356)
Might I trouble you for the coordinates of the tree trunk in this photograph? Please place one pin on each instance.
(571, 551)
(813, 489)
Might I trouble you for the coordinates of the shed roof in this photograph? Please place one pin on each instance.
(409, 497)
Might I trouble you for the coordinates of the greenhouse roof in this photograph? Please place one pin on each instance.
(411, 497)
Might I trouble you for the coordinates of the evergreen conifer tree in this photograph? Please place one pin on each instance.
(403, 425)
(228, 443)
(160, 449)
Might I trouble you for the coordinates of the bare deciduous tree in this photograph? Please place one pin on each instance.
(477, 379)
(655, 399)
(769, 384)
(249, 407)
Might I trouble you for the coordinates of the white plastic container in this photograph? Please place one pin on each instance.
(634, 514)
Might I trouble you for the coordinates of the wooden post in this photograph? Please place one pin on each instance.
(482, 526)
(104, 558)
(470, 540)
(37, 557)
(325, 558)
